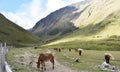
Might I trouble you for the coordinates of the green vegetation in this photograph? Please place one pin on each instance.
(89, 60)
(107, 44)
(19, 61)
(15, 35)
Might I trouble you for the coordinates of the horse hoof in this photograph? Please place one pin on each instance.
(45, 69)
(53, 68)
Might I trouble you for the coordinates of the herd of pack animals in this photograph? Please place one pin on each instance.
(43, 57)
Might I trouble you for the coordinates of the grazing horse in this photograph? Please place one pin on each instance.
(70, 49)
(43, 58)
(57, 49)
(107, 57)
(76, 50)
(80, 51)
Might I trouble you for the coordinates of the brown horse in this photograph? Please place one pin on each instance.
(107, 57)
(57, 49)
(43, 58)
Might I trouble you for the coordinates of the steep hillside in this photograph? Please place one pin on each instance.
(99, 28)
(106, 29)
(59, 22)
(73, 17)
(15, 35)
(97, 11)
(96, 20)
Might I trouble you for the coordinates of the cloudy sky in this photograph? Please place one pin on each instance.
(26, 13)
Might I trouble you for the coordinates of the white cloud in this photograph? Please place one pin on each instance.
(35, 8)
(16, 19)
(54, 4)
(28, 14)
(74, 1)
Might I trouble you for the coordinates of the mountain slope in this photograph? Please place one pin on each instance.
(13, 34)
(102, 36)
(98, 21)
(72, 17)
(97, 11)
(99, 28)
(97, 25)
(59, 22)
(105, 29)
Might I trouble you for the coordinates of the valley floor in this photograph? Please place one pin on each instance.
(20, 58)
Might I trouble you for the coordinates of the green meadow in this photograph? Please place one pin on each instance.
(89, 60)
(111, 44)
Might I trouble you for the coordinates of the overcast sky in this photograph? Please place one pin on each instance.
(26, 13)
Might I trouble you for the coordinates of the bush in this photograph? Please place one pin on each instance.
(113, 36)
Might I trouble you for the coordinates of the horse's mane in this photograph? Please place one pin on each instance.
(112, 57)
(79, 49)
(41, 54)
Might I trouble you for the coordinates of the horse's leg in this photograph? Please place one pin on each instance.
(44, 67)
(52, 61)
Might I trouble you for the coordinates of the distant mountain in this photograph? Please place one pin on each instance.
(87, 20)
(99, 29)
(15, 35)
(59, 22)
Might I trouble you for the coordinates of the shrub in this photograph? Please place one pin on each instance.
(113, 36)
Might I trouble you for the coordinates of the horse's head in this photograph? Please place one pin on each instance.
(38, 64)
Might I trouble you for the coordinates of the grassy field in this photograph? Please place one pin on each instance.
(111, 44)
(19, 59)
(89, 60)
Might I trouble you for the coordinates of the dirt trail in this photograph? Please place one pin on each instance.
(58, 68)
(29, 61)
